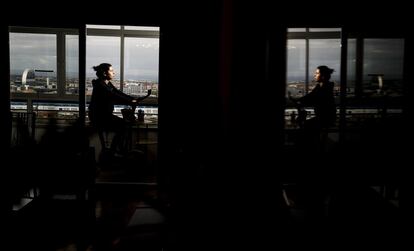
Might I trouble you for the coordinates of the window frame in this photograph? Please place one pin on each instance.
(60, 65)
(122, 33)
(60, 33)
(308, 35)
(345, 35)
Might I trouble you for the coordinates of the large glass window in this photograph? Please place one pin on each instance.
(33, 63)
(383, 67)
(72, 64)
(374, 76)
(134, 53)
(325, 52)
(296, 67)
(141, 66)
(375, 79)
(44, 70)
(44, 63)
(351, 68)
(101, 49)
(308, 48)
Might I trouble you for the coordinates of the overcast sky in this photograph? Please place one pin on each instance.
(380, 57)
(38, 51)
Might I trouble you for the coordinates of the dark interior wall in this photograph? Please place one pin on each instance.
(255, 90)
(5, 128)
(189, 108)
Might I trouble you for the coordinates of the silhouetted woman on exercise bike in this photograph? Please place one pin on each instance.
(104, 96)
(321, 98)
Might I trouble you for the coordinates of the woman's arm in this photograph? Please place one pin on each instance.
(310, 99)
(143, 97)
(119, 97)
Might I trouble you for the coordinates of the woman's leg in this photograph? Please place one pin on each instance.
(118, 125)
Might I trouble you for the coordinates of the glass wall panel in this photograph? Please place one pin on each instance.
(72, 64)
(33, 63)
(141, 66)
(325, 52)
(296, 67)
(383, 69)
(101, 49)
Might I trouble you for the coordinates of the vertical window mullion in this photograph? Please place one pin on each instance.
(82, 74)
(307, 61)
(359, 67)
(61, 64)
(122, 51)
(344, 83)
